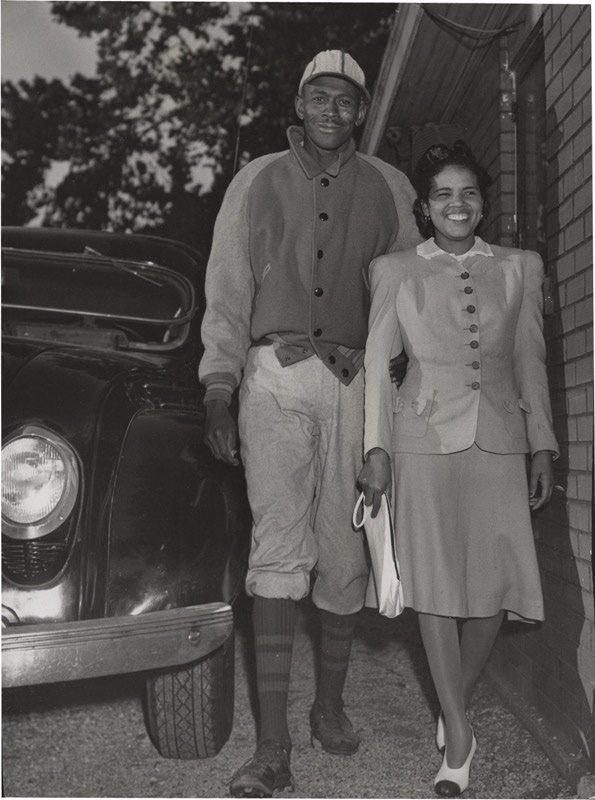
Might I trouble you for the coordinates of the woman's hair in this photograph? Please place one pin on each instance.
(433, 161)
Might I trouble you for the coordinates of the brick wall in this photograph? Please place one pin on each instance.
(553, 667)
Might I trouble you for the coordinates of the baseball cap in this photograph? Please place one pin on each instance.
(335, 62)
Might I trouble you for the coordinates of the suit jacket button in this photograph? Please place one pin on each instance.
(475, 365)
(468, 290)
(345, 373)
(471, 309)
(474, 344)
(318, 332)
(332, 359)
(473, 328)
(464, 275)
(475, 385)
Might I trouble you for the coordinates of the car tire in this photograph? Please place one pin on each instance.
(190, 710)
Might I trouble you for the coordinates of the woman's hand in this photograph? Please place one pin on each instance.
(375, 478)
(542, 475)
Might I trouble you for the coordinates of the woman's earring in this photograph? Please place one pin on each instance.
(427, 218)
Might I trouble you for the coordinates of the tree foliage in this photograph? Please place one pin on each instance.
(184, 94)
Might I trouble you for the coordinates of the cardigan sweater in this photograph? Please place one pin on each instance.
(289, 261)
(472, 327)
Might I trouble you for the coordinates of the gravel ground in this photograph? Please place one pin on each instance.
(89, 739)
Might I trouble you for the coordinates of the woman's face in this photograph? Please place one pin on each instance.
(454, 205)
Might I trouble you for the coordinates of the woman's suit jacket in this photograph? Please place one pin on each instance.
(473, 331)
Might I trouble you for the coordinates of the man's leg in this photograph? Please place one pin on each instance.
(278, 453)
(342, 571)
(274, 628)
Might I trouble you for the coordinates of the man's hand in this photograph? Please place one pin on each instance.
(542, 476)
(397, 367)
(221, 432)
(375, 478)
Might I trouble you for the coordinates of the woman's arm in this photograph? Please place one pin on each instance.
(529, 359)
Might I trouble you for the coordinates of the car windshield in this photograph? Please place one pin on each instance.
(94, 299)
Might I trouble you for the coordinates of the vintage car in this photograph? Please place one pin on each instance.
(124, 542)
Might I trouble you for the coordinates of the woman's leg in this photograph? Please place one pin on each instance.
(477, 639)
(441, 641)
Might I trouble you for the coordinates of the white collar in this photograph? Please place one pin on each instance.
(429, 249)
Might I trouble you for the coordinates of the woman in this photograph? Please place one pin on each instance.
(474, 400)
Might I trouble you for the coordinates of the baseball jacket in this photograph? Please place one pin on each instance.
(291, 248)
(473, 330)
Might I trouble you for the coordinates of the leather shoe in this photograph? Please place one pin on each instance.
(453, 782)
(264, 773)
(333, 729)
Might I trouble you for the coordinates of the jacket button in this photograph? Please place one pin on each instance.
(475, 385)
(473, 328)
(324, 181)
(464, 275)
(345, 373)
(468, 290)
(471, 309)
(318, 292)
(318, 332)
(323, 216)
(474, 344)
(332, 359)
(320, 253)
(475, 365)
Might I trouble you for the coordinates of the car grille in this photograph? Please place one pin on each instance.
(33, 562)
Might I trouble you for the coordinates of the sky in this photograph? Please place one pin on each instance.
(33, 44)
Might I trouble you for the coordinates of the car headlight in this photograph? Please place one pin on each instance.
(40, 480)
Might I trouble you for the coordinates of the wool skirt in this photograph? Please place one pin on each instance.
(464, 535)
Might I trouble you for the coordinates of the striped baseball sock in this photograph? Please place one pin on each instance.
(274, 629)
(336, 639)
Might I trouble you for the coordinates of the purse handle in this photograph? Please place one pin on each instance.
(361, 507)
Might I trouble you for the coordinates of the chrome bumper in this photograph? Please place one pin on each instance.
(66, 651)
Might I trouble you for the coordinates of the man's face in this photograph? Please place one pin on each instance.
(330, 109)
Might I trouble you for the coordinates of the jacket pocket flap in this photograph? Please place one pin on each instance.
(525, 405)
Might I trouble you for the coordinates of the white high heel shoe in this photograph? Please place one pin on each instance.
(453, 782)
(440, 734)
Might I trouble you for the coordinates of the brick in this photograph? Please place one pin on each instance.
(584, 491)
(584, 256)
(585, 428)
(554, 88)
(573, 123)
(581, 85)
(578, 458)
(571, 70)
(561, 54)
(586, 48)
(576, 345)
(582, 199)
(569, 17)
(562, 107)
(585, 575)
(575, 288)
(584, 368)
(574, 234)
(568, 315)
(565, 213)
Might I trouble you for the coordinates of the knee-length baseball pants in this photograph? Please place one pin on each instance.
(301, 436)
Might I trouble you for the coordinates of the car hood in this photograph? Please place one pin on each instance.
(57, 385)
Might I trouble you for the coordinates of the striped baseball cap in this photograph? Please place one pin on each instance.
(338, 63)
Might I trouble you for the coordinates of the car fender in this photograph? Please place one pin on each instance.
(179, 524)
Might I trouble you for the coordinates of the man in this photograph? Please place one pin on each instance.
(287, 308)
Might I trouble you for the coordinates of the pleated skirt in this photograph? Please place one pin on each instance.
(464, 535)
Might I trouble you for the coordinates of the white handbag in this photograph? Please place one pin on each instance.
(384, 591)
